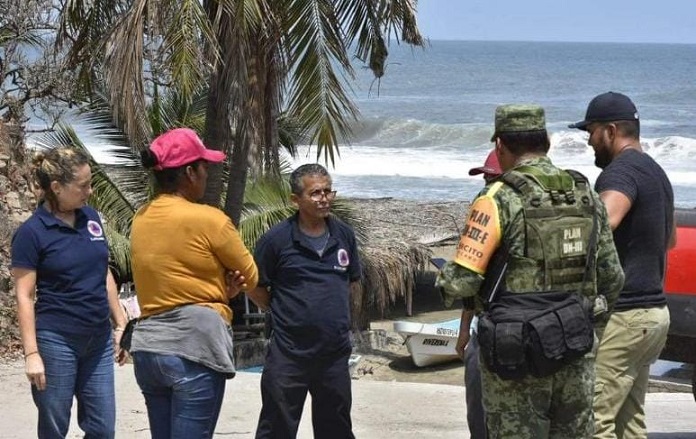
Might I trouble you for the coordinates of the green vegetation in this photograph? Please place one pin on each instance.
(254, 77)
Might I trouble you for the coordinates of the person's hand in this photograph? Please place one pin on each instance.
(120, 355)
(235, 283)
(462, 341)
(35, 371)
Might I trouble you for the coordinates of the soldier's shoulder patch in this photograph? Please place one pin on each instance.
(481, 235)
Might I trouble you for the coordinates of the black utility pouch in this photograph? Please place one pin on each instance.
(547, 344)
(510, 351)
(560, 335)
(502, 346)
(486, 338)
(535, 334)
(578, 327)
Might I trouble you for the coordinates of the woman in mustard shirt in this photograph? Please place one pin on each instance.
(182, 252)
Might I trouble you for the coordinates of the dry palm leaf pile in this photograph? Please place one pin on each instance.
(400, 235)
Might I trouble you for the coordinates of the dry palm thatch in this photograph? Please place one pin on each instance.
(400, 235)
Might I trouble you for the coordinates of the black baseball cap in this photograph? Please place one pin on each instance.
(607, 107)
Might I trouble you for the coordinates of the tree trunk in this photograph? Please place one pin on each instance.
(271, 115)
(217, 135)
(236, 184)
(218, 124)
(248, 119)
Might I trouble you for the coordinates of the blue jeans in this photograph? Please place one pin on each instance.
(80, 365)
(183, 398)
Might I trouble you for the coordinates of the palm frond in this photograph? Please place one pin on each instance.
(361, 19)
(106, 196)
(403, 16)
(266, 204)
(173, 109)
(290, 133)
(124, 73)
(119, 249)
(187, 30)
(317, 96)
(82, 26)
(371, 25)
(128, 174)
(344, 210)
(19, 36)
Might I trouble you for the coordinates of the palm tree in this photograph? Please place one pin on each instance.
(258, 56)
(119, 190)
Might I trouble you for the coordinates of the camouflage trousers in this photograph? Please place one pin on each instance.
(557, 406)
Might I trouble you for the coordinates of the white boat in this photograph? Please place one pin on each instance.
(430, 343)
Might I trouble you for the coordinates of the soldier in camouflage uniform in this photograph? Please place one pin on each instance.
(558, 405)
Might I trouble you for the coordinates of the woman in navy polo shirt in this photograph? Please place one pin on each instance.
(65, 294)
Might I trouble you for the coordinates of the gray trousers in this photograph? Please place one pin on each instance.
(475, 416)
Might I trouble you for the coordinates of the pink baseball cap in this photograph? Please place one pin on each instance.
(491, 167)
(181, 146)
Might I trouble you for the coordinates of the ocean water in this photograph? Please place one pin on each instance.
(430, 118)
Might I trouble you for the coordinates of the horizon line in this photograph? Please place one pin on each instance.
(471, 40)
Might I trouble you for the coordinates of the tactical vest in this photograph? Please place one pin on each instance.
(542, 319)
(558, 212)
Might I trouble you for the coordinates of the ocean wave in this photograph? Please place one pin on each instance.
(412, 148)
(411, 133)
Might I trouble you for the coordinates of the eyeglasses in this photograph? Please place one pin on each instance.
(319, 194)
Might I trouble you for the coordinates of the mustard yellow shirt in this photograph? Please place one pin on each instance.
(180, 254)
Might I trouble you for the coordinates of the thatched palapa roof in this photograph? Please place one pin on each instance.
(400, 235)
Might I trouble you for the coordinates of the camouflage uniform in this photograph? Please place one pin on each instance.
(559, 405)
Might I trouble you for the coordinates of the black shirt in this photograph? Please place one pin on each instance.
(643, 235)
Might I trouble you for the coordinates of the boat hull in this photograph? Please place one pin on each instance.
(430, 343)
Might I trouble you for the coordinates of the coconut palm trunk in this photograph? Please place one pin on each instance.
(218, 127)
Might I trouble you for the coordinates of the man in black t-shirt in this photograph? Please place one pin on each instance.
(640, 203)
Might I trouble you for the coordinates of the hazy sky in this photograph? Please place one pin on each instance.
(639, 21)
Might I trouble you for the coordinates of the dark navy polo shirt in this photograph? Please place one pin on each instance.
(70, 265)
(310, 294)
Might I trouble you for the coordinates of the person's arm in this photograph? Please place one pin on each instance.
(25, 290)
(464, 334)
(617, 204)
(230, 249)
(117, 316)
(609, 273)
(235, 284)
(266, 256)
(673, 236)
(261, 297)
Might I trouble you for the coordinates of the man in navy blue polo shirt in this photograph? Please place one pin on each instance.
(306, 266)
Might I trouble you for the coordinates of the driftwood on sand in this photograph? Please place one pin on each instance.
(400, 235)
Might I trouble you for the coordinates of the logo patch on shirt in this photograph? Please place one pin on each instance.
(95, 229)
(343, 259)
